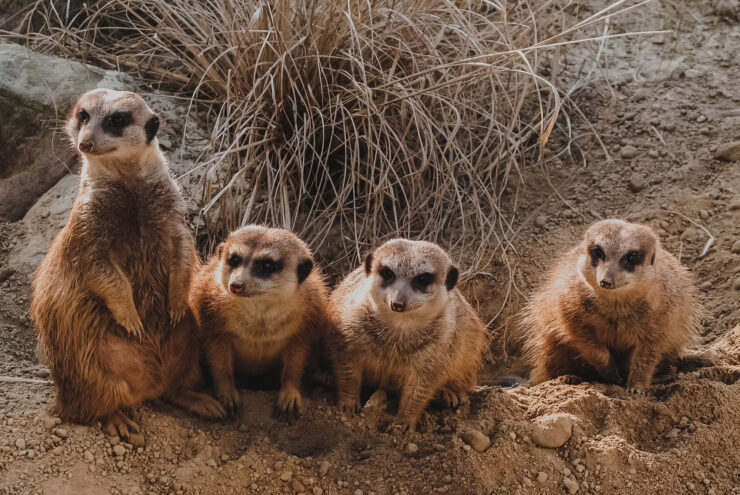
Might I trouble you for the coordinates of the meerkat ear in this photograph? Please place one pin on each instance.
(151, 127)
(451, 279)
(368, 263)
(220, 249)
(304, 270)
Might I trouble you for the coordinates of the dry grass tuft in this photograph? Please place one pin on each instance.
(350, 121)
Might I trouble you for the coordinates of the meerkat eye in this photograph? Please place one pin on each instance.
(235, 260)
(119, 120)
(265, 267)
(83, 116)
(422, 281)
(386, 274)
(597, 254)
(632, 259)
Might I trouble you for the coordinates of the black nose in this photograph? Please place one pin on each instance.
(606, 284)
(398, 307)
(236, 287)
(86, 146)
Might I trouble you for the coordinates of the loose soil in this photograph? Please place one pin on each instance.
(670, 102)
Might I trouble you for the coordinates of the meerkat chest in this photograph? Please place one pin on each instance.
(261, 333)
(620, 326)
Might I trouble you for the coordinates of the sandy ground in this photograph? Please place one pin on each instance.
(674, 100)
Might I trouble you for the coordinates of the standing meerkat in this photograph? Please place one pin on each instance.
(615, 305)
(110, 297)
(403, 325)
(260, 304)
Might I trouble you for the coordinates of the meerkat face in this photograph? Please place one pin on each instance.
(258, 261)
(619, 256)
(112, 124)
(410, 279)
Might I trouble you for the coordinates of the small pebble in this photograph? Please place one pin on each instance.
(324, 468)
(541, 477)
(286, 476)
(89, 457)
(736, 284)
(21, 444)
(298, 486)
(476, 439)
(540, 221)
(119, 450)
(628, 152)
(411, 449)
(728, 152)
(570, 485)
(552, 431)
(61, 433)
(637, 183)
(735, 247)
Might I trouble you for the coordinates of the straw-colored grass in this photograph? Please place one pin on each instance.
(346, 121)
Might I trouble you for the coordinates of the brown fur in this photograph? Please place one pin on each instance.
(433, 347)
(110, 297)
(576, 327)
(273, 325)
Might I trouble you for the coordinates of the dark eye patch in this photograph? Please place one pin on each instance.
(422, 281)
(265, 267)
(115, 123)
(83, 116)
(597, 254)
(235, 260)
(631, 260)
(387, 275)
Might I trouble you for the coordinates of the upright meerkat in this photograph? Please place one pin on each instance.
(110, 297)
(260, 304)
(615, 305)
(403, 325)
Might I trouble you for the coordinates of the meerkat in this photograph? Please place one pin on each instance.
(403, 325)
(612, 308)
(110, 298)
(260, 303)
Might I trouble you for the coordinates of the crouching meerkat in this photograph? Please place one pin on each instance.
(260, 303)
(612, 308)
(402, 325)
(110, 297)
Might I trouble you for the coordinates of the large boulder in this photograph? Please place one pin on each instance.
(36, 93)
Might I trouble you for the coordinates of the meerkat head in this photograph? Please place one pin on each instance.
(117, 125)
(259, 261)
(618, 256)
(410, 279)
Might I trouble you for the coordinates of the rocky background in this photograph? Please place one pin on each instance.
(667, 109)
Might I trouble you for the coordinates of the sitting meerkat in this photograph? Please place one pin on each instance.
(403, 325)
(615, 305)
(110, 297)
(260, 303)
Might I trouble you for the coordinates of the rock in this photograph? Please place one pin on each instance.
(317, 490)
(137, 440)
(411, 449)
(527, 482)
(61, 432)
(50, 423)
(89, 457)
(728, 8)
(119, 450)
(541, 477)
(324, 468)
(552, 431)
(298, 486)
(736, 247)
(735, 205)
(357, 492)
(736, 284)
(570, 485)
(21, 444)
(540, 221)
(728, 152)
(35, 90)
(637, 183)
(628, 152)
(476, 439)
(286, 476)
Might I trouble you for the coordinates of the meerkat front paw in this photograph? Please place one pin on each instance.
(452, 398)
(178, 308)
(290, 403)
(229, 397)
(350, 405)
(637, 388)
(133, 325)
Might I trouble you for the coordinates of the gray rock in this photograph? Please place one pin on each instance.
(36, 92)
(637, 183)
(552, 431)
(729, 152)
(570, 485)
(476, 439)
(628, 152)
